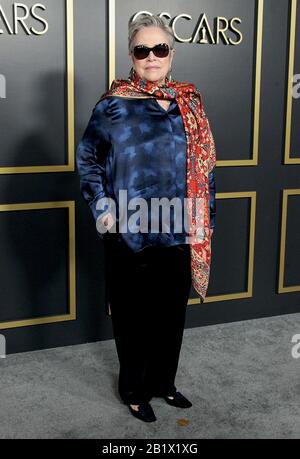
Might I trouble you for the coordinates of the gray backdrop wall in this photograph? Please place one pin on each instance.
(52, 72)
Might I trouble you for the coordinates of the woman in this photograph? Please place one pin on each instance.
(149, 137)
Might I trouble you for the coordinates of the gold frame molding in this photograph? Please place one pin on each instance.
(70, 205)
(260, 12)
(289, 97)
(249, 292)
(70, 167)
(285, 195)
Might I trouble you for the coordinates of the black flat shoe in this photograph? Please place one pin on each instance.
(144, 412)
(179, 400)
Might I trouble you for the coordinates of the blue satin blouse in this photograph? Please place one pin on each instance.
(138, 146)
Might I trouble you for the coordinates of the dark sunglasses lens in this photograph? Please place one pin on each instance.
(161, 50)
(141, 52)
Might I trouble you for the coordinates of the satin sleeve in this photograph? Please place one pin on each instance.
(91, 155)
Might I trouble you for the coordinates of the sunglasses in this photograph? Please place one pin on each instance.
(142, 51)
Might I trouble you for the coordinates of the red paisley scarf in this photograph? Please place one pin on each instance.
(201, 159)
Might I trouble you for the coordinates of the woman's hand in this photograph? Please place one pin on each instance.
(107, 220)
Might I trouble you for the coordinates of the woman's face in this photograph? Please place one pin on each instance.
(152, 68)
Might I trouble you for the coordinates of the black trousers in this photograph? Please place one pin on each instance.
(148, 293)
